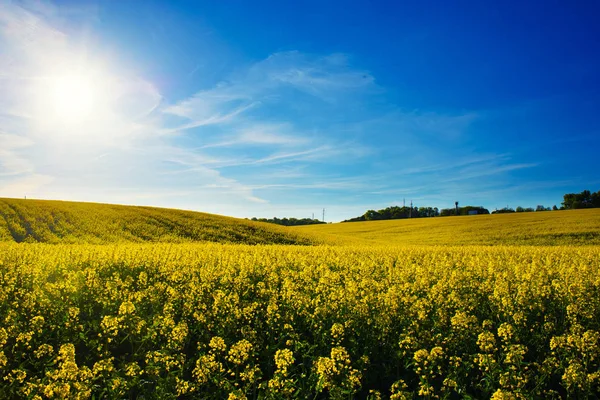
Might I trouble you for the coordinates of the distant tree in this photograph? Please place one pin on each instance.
(530, 209)
(595, 199)
(289, 221)
(467, 210)
(447, 212)
(426, 212)
(554, 208)
(372, 215)
(585, 199)
(396, 212)
(504, 210)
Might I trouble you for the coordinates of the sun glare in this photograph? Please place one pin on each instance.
(72, 97)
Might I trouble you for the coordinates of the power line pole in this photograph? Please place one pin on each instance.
(410, 213)
(323, 215)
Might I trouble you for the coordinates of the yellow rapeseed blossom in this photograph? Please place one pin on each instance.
(284, 358)
(239, 352)
(212, 320)
(217, 344)
(487, 342)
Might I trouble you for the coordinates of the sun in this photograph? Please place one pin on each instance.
(67, 99)
(72, 97)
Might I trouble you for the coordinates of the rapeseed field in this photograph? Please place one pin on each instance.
(356, 318)
(550, 228)
(35, 221)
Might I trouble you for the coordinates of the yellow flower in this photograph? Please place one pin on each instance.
(236, 396)
(240, 352)
(218, 344)
(421, 356)
(503, 395)
(337, 332)
(283, 359)
(487, 342)
(126, 308)
(37, 323)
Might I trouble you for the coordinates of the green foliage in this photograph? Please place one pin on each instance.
(71, 222)
(395, 212)
(467, 210)
(528, 209)
(585, 199)
(290, 221)
(505, 210)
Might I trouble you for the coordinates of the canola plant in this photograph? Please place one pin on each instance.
(224, 321)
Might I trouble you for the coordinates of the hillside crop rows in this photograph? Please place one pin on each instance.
(91, 223)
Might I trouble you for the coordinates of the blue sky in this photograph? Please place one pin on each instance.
(282, 109)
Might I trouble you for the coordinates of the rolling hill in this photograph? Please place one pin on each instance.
(49, 221)
(73, 222)
(568, 228)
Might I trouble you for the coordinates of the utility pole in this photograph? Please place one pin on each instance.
(410, 213)
(313, 217)
(323, 215)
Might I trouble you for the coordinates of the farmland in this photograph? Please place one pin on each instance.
(569, 228)
(503, 306)
(35, 221)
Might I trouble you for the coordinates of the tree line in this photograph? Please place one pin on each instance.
(395, 212)
(571, 201)
(519, 209)
(289, 221)
(466, 210)
(585, 199)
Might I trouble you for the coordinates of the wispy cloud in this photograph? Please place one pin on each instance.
(490, 170)
(325, 77)
(11, 162)
(454, 164)
(208, 109)
(251, 109)
(262, 134)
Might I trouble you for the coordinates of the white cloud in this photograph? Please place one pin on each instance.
(24, 186)
(261, 134)
(326, 77)
(266, 134)
(208, 108)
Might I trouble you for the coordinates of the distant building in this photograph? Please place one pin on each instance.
(473, 212)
